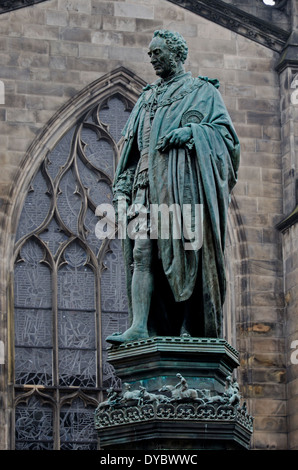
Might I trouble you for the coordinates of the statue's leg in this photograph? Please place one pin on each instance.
(141, 292)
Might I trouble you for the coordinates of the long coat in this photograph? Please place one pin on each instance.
(202, 172)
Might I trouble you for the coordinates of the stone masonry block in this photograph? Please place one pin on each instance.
(166, 11)
(112, 23)
(82, 20)
(266, 314)
(103, 8)
(88, 64)
(41, 31)
(249, 173)
(271, 424)
(265, 189)
(269, 146)
(269, 406)
(188, 30)
(263, 252)
(94, 51)
(248, 77)
(21, 115)
(256, 105)
(270, 132)
(263, 118)
(107, 38)
(58, 63)
(234, 89)
(273, 204)
(40, 88)
(293, 422)
(266, 359)
(131, 10)
(56, 18)
(293, 392)
(75, 34)
(14, 73)
(64, 48)
(13, 100)
(27, 44)
(141, 40)
(75, 5)
(264, 440)
(127, 53)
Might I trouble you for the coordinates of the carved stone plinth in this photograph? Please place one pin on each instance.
(178, 393)
(204, 362)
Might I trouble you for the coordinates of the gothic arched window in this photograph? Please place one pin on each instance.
(69, 289)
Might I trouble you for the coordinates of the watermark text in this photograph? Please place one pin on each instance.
(160, 221)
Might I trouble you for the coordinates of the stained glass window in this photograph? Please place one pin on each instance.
(34, 425)
(69, 286)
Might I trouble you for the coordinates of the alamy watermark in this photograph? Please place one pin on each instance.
(160, 221)
(294, 94)
(2, 93)
(2, 359)
(294, 354)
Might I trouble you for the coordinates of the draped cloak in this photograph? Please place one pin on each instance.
(202, 172)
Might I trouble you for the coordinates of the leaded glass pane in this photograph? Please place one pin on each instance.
(36, 207)
(76, 320)
(111, 323)
(53, 236)
(33, 366)
(76, 281)
(114, 305)
(33, 327)
(59, 155)
(98, 191)
(76, 329)
(113, 283)
(109, 376)
(98, 151)
(33, 317)
(115, 115)
(69, 201)
(77, 368)
(34, 426)
(90, 223)
(32, 278)
(77, 430)
(77, 349)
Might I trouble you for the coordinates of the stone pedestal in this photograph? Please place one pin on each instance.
(178, 393)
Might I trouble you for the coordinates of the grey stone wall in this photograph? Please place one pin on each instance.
(277, 16)
(51, 51)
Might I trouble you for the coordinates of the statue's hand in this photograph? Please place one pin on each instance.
(176, 138)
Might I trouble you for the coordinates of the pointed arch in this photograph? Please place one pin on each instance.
(121, 81)
(66, 172)
(236, 311)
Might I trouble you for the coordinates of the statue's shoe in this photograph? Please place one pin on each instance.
(126, 337)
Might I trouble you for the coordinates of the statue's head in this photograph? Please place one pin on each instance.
(168, 52)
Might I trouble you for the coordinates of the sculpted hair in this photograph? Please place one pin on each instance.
(175, 42)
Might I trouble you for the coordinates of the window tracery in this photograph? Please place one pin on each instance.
(69, 285)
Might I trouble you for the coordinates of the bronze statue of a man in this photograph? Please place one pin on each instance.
(180, 150)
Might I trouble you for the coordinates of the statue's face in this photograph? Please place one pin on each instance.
(162, 59)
